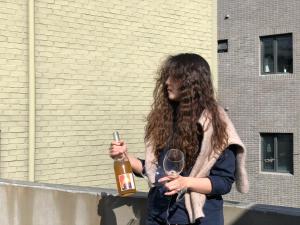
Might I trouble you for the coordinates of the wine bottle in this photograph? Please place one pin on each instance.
(123, 172)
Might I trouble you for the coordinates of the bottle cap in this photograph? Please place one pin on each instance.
(116, 136)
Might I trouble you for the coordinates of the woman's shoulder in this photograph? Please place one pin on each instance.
(228, 153)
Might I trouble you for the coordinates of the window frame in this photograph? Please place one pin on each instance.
(275, 53)
(275, 155)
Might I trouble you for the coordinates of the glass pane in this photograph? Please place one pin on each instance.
(285, 153)
(268, 152)
(285, 54)
(268, 55)
(223, 46)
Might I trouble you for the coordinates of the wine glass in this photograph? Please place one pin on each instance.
(173, 165)
(173, 162)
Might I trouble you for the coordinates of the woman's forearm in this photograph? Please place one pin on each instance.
(136, 164)
(201, 185)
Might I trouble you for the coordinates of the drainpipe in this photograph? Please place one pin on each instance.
(31, 100)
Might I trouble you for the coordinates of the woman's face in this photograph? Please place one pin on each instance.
(173, 88)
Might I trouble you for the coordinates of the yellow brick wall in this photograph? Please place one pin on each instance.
(95, 64)
(13, 90)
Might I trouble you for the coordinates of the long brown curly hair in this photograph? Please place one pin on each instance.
(175, 124)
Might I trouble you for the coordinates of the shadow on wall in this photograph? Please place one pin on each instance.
(115, 210)
(260, 214)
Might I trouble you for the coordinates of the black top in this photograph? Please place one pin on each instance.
(162, 208)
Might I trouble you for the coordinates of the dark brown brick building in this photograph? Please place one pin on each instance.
(259, 84)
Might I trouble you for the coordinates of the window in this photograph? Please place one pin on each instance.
(277, 54)
(222, 46)
(277, 152)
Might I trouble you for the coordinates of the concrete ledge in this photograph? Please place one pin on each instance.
(27, 203)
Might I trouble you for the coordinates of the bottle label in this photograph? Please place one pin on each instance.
(126, 181)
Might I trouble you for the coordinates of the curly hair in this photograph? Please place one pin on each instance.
(175, 124)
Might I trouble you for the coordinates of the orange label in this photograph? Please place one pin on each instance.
(126, 181)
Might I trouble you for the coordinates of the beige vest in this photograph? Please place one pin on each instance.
(194, 201)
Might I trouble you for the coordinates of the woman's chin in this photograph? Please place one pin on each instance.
(173, 98)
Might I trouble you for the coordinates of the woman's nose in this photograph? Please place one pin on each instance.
(168, 81)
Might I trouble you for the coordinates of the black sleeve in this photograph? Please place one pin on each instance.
(222, 175)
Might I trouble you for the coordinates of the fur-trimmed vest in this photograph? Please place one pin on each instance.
(194, 201)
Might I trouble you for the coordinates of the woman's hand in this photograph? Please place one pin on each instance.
(117, 149)
(174, 184)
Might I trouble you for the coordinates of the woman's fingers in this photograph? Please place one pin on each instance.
(173, 184)
(173, 187)
(164, 179)
(172, 192)
(118, 143)
(117, 148)
(167, 179)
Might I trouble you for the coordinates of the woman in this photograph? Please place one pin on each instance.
(186, 115)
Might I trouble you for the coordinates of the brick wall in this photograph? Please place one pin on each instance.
(257, 103)
(95, 66)
(13, 89)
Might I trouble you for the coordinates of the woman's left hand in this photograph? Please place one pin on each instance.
(174, 184)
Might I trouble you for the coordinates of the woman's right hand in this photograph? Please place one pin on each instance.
(117, 149)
